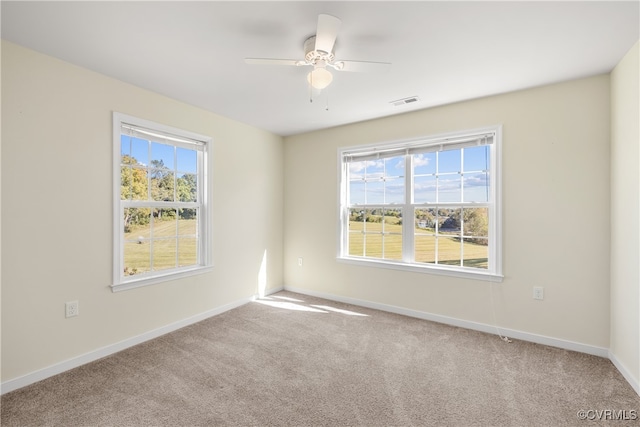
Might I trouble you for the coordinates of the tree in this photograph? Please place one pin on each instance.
(162, 181)
(133, 186)
(476, 223)
(186, 186)
(133, 180)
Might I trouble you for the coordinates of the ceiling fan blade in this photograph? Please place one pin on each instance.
(269, 61)
(327, 32)
(362, 66)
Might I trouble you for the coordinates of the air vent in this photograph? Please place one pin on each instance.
(405, 101)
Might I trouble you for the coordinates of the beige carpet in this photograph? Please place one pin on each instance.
(296, 360)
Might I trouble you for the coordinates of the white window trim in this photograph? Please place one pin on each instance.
(495, 219)
(121, 282)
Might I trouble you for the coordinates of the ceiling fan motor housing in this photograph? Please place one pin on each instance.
(313, 56)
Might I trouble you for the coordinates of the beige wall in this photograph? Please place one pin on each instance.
(56, 146)
(625, 213)
(555, 214)
(57, 213)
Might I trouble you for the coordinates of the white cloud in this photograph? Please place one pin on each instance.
(400, 164)
(420, 160)
(355, 167)
(424, 187)
(476, 180)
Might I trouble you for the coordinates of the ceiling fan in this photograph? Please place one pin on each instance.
(318, 53)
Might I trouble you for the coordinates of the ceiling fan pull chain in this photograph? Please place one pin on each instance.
(311, 87)
(326, 108)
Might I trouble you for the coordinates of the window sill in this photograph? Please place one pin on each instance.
(429, 269)
(146, 281)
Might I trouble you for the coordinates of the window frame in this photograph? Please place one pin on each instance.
(493, 272)
(204, 171)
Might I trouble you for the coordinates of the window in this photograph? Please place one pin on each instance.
(428, 205)
(161, 214)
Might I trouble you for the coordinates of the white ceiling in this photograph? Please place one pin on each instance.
(442, 52)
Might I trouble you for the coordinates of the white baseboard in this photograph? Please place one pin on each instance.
(625, 372)
(482, 327)
(91, 356)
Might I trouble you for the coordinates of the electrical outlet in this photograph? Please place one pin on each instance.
(71, 308)
(538, 292)
(299, 261)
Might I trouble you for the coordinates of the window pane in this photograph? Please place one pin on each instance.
(449, 161)
(356, 229)
(187, 251)
(476, 253)
(137, 257)
(126, 177)
(137, 231)
(374, 169)
(394, 190)
(133, 181)
(393, 246)
(187, 160)
(164, 253)
(476, 187)
(136, 223)
(125, 146)
(394, 179)
(162, 185)
(373, 220)
(187, 187)
(140, 150)
(134, 148)
(374, 192)
(449, 188)
(449, 221)
(162, 156)
(448, 250)
(356, 243)
(476, 222)
(425, 220)
(424, 163)
(424, 238)
(356, 218)
(424, 189)
(373, 245)
(165, 222)
(188, 222)
(394, 167)
(392, 239)
(425, 248)
(476, 158)
(356, 170)
(392, 220)
(356, 192)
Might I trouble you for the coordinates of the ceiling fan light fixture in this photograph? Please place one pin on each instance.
(320, 78)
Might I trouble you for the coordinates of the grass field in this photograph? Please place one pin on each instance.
(167, 249)
(428, 248)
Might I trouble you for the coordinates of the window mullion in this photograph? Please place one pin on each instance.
(461, 236)
(177, 236)
(462, 175)
(408, 215)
